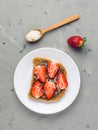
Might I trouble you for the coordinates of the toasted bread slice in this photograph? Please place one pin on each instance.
(45, 61)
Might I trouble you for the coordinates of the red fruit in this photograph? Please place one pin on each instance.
(40, 72)
(62, 81)
(49, 89)
(76, 41)
(52, 69)
(37, 89)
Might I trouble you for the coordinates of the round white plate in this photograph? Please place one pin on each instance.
(22, 80)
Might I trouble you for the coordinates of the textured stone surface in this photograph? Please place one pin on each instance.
(18, 17)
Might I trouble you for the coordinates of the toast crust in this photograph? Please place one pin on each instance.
(37, 61)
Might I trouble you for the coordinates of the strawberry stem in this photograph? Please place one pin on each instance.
(84, 39)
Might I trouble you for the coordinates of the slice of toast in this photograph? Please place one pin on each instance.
(45, 61)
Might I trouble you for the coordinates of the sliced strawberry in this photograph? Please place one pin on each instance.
(37, 89)
(49, 89)
(62, 81)
(52, 69)
(40, 72)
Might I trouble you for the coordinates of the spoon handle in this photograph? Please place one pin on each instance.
(61, 23)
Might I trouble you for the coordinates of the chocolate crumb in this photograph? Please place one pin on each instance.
(9, 25)
(12, 89)
(84, 70)
(24, 46)
(89, 50)
(87, 126)
(3, 43)
(21, 51)
(45, 12)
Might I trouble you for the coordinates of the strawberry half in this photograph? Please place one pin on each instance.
(52, 69)
(76, 41)
(62, 81)
(40, 72)
(37, 89)
(49, 89)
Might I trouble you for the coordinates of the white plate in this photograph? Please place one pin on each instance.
(22, 80)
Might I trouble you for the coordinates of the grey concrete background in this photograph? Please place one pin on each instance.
(18, 17)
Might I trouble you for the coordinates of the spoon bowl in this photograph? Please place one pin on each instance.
(30, 35)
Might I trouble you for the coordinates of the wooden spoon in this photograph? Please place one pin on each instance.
(36, 34)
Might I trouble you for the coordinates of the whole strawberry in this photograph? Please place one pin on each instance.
(76, 41)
